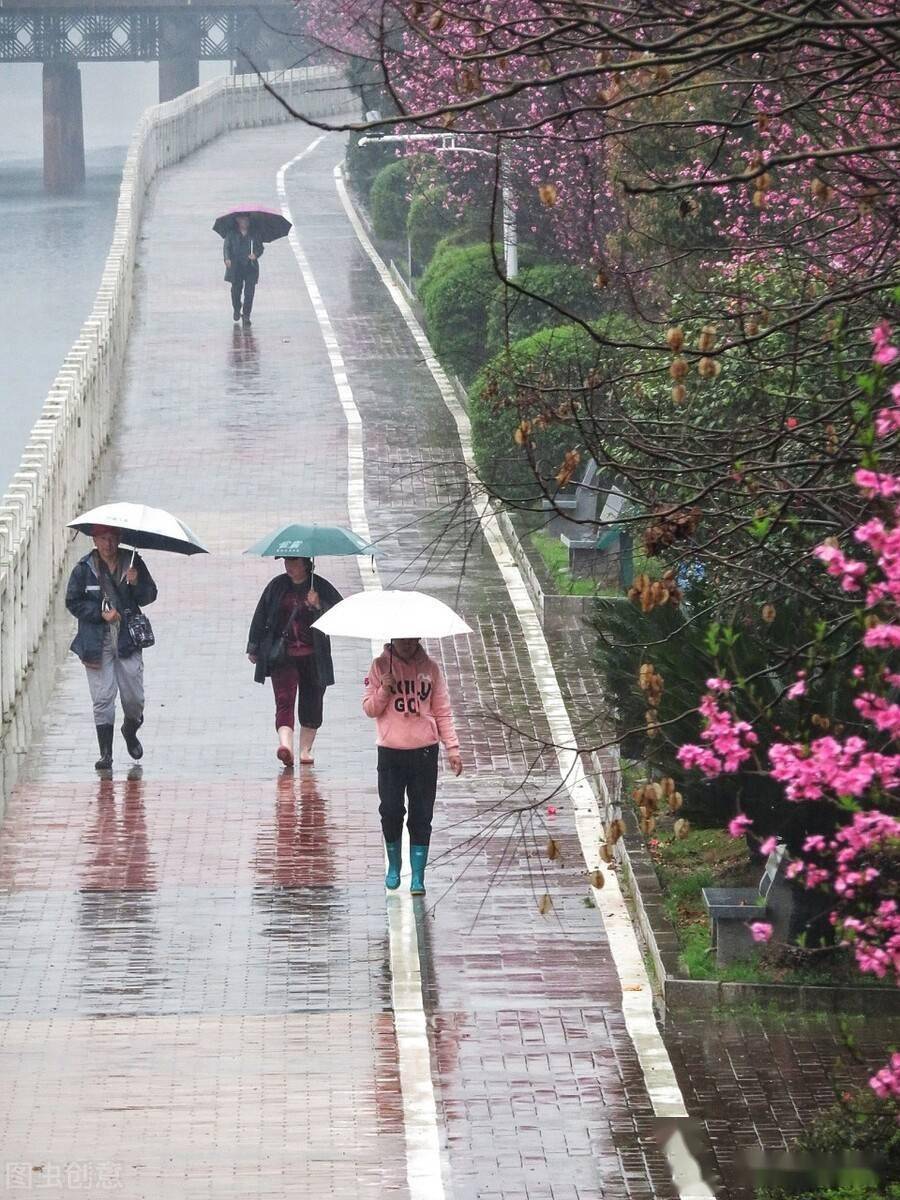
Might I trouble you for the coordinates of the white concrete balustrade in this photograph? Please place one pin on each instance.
(61, 456)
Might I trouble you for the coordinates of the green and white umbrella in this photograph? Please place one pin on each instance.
(310, 541)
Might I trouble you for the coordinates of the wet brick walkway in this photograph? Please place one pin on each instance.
(195, 996)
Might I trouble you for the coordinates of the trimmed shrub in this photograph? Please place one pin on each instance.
(532, 381)
(455, 292)
(569, 286)
(362, 163)
(432, 223)
(561, 357)
(389, 200)
(427, 222)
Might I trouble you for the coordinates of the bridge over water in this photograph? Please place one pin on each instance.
(178, 35)
(204, 989)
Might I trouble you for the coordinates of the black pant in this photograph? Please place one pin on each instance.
(244, 279)
(413, 773)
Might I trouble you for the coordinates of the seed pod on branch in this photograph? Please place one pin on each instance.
(547, 194)
(679, 393)
(681, 828)
(568, 468)
(707, 339)
(821, 191)
(767, 612)
(678, 369)
(436, 21)
(675, 801)
(675, 338)
(709, 368)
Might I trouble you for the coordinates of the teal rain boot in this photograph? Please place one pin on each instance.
(418, 857)
(394, 851)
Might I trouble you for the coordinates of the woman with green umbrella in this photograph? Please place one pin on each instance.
(282, 643)
(297, 658)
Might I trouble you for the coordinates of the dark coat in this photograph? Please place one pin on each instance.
(84, 600)
(237, 248)
(268, 624)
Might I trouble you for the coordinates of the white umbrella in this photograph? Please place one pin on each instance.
(144, 528)
(382, 616)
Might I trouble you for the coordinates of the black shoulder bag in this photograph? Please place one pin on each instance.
(278, 654)
(137, 623)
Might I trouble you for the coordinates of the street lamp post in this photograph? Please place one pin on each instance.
(447, 145)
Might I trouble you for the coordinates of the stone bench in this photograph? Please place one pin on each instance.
(732, 910)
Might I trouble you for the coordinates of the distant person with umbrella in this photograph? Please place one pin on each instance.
(106, 591)
(245, 230)
(242, 252)
(103, 585)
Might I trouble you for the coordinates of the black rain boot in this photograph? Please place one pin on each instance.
(129, 733)
(105, 742)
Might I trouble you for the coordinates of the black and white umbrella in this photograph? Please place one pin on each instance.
(142, 527)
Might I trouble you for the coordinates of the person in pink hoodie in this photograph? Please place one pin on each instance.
(406, 694)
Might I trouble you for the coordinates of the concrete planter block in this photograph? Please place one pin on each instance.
(730, 912)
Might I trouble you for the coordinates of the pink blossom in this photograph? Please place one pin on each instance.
(883, 356)
(878, 484)
(739, 825)
(798, 688)
(761, 931)
(768, 846)
(718, 685)
(882, 637)
(886, 1082)
(887, 421)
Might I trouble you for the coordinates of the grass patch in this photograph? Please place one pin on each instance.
(710, 858)
(555, 557)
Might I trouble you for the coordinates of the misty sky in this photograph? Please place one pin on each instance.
(114, 96)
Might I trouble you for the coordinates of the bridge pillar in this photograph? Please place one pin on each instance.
(63, 127)
(179, 54)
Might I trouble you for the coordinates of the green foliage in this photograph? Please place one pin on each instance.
(427, 222)
(562, 355)
(389, 199)
(858, 1123)
(505, 393)
(512, 316)
(455, 293)
(556, 559)
(686, 651)
(362, 163)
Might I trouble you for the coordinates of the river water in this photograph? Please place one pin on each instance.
(54, 247)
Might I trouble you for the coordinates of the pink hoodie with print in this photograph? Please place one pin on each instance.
(418, 713)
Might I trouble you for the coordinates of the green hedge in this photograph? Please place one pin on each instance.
(427, 222)
(362, 163)
(455, 292)
(389, 200)
(571, 287)
(559, 357)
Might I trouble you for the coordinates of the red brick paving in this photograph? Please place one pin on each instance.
(196, 997)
